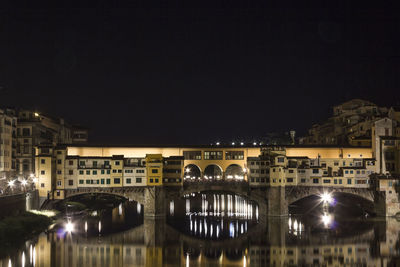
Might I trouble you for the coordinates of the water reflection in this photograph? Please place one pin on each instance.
(128, 239)
(213, 215)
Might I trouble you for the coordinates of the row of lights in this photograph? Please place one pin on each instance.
(241, 143)
(23, 182)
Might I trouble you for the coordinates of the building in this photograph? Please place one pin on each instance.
(173, 171)
(351, 123)
(8, 122)
(22, 130)
(75, 167)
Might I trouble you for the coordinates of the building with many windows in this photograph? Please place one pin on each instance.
(8, 122)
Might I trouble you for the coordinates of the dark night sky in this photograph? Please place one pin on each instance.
(196, 74)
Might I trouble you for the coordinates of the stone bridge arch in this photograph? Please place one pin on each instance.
(295, 193)
(133, 194)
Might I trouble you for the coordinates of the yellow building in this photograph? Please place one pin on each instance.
(45, 173)
(117, 165)
(154, 169)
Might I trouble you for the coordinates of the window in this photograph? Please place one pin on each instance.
(154, 171)
(151, 180)
(87, 172)
(80, 181)
(346, 172)
(81, 172)
(58, 183)
(70, 162)
(117, 180)
(128, 180)
(42, 185)
(348, 181)
(281, 159)
(108, 171)
(117, 163)
(59, 161)
(43, 161)
(351, 172)
(156, 180)
(119, 171)
(42, 172)
(192, 155)
(102, 181)
(303, 180)
(315, 171)
(106, 163)
(58, 193)
(234, 155)
(102, 171)
(94, 164)
(139, 171)
(114, 171)
(94, 172)
(70, 182)
(327, 181)
(108, 181)
(58, 171)
(213, 155)
(289, 180)
(290, 171)
(81, 163)
(315, 181)
(335, 181)
(88, 181)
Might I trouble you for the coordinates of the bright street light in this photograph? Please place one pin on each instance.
(24, 182)
(11, 183)
(326, 197)
(326, 219)
(69, 227)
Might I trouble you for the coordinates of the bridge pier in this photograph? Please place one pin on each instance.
(154, 202)
(277, 204)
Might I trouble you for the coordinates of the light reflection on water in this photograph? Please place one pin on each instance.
(213, 239)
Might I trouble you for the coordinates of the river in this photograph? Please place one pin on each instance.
(211, 229)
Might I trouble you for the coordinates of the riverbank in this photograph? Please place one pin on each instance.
(17, 229)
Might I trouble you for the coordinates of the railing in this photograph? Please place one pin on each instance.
(7, 191)
(94, 167)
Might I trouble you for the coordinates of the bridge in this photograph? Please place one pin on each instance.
(272, 201)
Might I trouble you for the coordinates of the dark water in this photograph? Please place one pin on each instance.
(213, 229)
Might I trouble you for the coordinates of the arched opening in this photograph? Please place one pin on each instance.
(192, 172)
(213, 172)
(234, 172)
